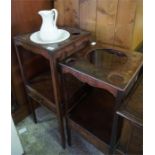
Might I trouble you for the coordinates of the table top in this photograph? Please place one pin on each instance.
(75, 34)
(106, 65)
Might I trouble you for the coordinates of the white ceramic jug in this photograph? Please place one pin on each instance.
(48, 31)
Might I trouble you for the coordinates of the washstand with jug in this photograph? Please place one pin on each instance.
(52, 44)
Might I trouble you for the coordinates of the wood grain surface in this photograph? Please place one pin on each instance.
(88, 16)
(105, 23)
(138, 26)
(60, 6)
(114, 22)
(125, 23)
(71, 13)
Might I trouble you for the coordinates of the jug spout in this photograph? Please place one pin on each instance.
(48, 30)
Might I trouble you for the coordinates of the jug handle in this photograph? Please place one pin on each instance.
(55, 16)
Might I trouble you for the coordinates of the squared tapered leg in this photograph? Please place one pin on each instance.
(31, 105)
(118, 101)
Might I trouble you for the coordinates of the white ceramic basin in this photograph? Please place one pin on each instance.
(62, 35)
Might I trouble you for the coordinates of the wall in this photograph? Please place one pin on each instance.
(16, 146)
(115, 22)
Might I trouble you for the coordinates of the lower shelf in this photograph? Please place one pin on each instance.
(43, 85)
(40, 89)
(93, 118)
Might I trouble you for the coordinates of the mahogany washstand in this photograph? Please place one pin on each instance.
(44, 88)
(109, 73)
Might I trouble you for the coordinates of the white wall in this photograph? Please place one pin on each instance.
(16, 147)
